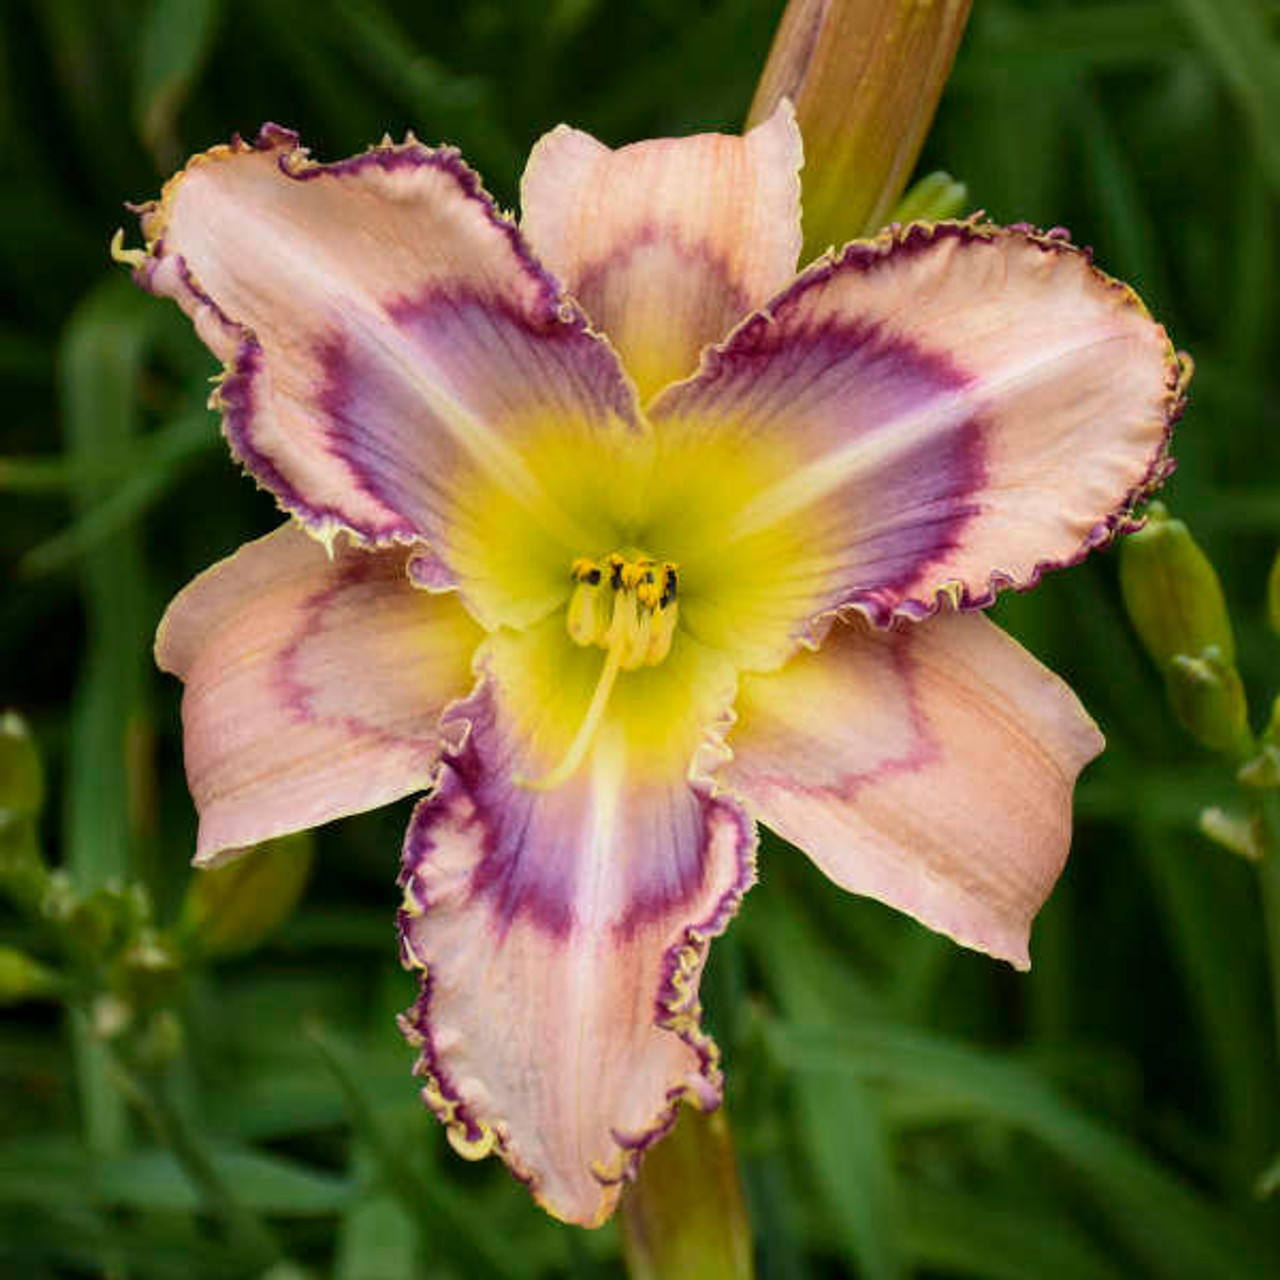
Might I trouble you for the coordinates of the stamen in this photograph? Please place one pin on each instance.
(583, 739)
(626, 606)
(629, 596)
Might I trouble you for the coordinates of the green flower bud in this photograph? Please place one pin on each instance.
(146, 973)
(160, 1041)
(935, 197)
(1172, 592)
(22, 978)
(1207, 697)
(24, 877)
(1264, 769)
(1238, 833)
(233, 908)
(21, 775)
(110, 1017)
(104, 922)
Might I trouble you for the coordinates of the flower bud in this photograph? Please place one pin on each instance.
(234, 907)
(1263, 770)
(160, 1041)
(1237, 833)
(21, 776)
(935, 197)
(22, 978)
(865, 77)
(685, 1215)
(1208, 699)
(1172, 592)
(24, 877)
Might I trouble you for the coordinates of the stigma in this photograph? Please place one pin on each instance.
(627, 605)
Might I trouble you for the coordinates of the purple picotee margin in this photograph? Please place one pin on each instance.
(895, 243)
(866, 256)
(676, 1005)
(678, 1010)
(238, 390)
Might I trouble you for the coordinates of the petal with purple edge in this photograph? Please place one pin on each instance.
(963, 407)
(389, 337)
(930, 766)
(667, 243)
(561, 934)
(313, 685)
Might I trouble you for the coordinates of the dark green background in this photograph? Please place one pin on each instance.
(902, 1107)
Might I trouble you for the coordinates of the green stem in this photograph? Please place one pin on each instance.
(1269, 884)
(425, 1203)
(685, 1215)
(150, 1093)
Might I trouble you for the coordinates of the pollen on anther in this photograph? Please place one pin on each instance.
(635, 611)
(669, 584)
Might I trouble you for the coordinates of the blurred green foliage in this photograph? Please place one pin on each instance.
(901, 1107)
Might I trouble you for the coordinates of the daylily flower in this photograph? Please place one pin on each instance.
(615, 537)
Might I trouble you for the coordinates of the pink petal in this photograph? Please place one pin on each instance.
(389, 337)
(961, 407)
(561, 935)
(313, 685)
(930, 766)
(667, 243)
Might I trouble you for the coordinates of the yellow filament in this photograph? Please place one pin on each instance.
(636, 632)
(583, 739)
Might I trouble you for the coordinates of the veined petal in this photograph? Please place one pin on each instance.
(313, 685)
(562, 933)
(930, 766)
(950, 409)
(390, 342)
(667, 243)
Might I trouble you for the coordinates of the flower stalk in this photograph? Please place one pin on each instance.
(1176, 605)
(685, 1215)
(151, 1093)
(1269, 889)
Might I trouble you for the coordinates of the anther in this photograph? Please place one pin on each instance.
(628, 608)
(626, 600)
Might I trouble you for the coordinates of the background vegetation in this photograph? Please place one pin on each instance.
(901, 1107)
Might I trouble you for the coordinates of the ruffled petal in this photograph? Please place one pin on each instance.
(930, 766)
(390, 342)
(561, 934)
(313, 685)
(667, 243)
(944, 411)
